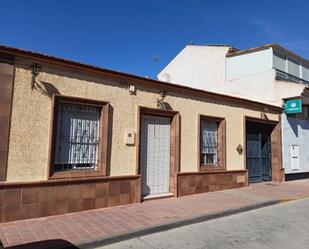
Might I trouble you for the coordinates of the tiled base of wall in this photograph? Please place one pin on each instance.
(200, 182)
(38, 199)
(296, 176)
(29, 200)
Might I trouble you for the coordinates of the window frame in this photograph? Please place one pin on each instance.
(104, 139)
(221, 141)
(295, 61)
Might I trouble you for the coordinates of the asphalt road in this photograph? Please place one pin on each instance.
(281, 226)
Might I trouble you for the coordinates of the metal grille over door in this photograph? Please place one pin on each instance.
(155, 154)
(254, 159)
(258, 152)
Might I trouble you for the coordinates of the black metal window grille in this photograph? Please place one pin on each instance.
(77, 137)
(209, 142)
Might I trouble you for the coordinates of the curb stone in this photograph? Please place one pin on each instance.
(103, 241)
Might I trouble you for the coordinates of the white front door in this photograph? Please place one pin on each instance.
(155, 155)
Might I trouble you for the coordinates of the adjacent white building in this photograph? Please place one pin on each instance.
(269, 73)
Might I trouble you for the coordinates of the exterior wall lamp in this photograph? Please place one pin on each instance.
(160, 101)
(36, 68)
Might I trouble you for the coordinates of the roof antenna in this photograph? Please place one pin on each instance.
(156, 60)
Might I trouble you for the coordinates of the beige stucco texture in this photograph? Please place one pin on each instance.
(31, 115)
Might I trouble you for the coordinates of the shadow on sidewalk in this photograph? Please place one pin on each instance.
(45, 244)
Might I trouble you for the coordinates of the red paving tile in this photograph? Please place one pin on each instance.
(99, 223)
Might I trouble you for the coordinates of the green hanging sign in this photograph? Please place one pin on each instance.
(293, 106)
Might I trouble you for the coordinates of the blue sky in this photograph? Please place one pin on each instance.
(125, 35)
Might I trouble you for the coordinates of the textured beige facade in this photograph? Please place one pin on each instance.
(31, 114)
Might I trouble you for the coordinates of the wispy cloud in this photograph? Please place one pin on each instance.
(266, 28)
(278, 35)
(301, 47)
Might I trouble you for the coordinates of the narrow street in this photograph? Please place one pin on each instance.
(280, 226)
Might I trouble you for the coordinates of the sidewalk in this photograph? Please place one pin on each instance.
(99, 226)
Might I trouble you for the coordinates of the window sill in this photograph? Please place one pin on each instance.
(75, 174)
(211, 167)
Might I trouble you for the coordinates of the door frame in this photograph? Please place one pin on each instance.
(174, 141)
(277, 170)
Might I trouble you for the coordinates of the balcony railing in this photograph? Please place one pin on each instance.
(281, 75)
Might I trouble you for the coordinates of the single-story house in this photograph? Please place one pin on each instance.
(75, 137)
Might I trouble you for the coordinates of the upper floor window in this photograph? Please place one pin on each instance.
(280, 61)
(290, 66)
(293, 67)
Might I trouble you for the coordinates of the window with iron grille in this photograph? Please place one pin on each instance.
(209, 142)
(77, 137)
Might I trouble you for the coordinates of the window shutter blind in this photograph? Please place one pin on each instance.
(305, 73)
(293, 67)
(209, 138)
(280, 61)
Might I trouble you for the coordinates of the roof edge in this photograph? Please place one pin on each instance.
(126, 76)
(266, 46)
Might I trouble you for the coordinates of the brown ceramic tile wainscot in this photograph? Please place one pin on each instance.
(36, 199)
(207, 181)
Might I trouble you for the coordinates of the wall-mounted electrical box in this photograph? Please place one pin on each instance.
(129, 137)
(294, 157)
(132, 89)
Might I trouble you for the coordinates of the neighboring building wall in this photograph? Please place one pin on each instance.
(30, 123)
(201, 67)
(243, 75)
(285, 89)
(295, 132)
(248, 64)
(251, 75)
(254, 87)
(209, 68)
